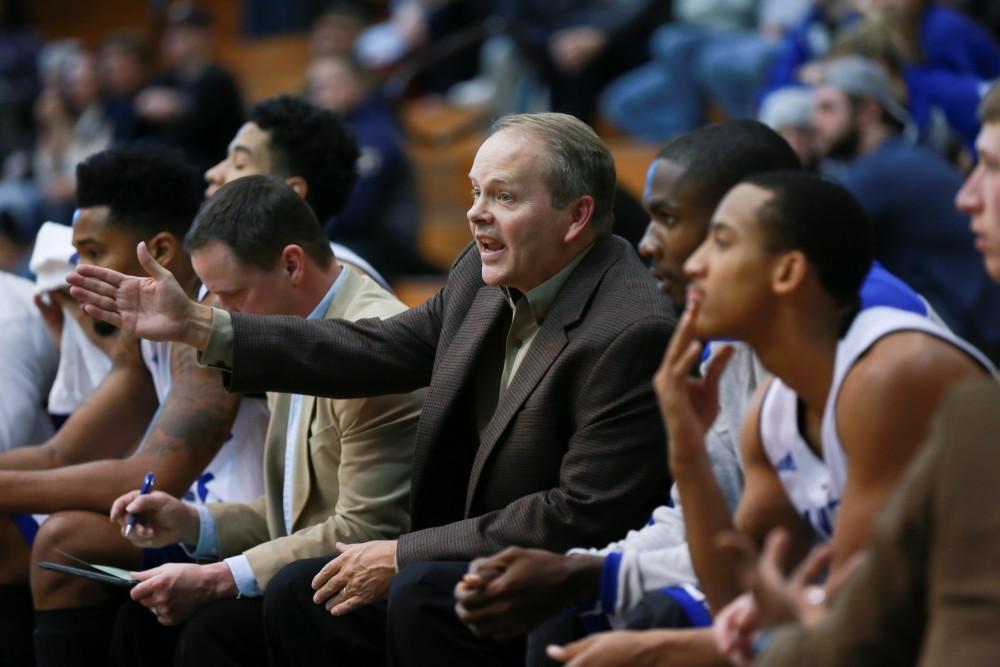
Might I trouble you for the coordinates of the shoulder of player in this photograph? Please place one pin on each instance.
(894, 388)
(902, 363)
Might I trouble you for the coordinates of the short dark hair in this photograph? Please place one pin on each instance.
(823, 220)
(256, 217)
(148, 189)
(312, 143)
(717, 157)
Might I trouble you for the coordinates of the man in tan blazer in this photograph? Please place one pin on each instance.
(336, 470)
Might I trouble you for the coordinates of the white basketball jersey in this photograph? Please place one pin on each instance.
(815, 486)
(236, 474)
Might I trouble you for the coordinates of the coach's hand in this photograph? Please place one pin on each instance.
(360, 575)
(155, 308)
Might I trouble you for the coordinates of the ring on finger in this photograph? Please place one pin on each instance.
(816, 595)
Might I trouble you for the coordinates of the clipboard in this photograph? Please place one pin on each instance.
(104, 573)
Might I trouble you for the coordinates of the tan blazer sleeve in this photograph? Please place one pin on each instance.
(374, 437)
(239, 525)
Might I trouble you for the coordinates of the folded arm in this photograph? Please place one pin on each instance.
(182, 440)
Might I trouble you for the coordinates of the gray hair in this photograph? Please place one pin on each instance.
(579, 161)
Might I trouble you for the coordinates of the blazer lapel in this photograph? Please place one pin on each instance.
(303, 460)
(545, 348)
(274, 463)
(303, 457)
(454, 374)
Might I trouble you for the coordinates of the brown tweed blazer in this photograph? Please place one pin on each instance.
(575, 453)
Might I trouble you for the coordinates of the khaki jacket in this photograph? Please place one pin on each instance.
(352, 467)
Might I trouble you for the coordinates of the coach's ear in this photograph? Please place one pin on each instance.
(298, 184)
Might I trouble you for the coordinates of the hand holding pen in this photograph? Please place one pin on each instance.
(147, 486)
(155, 519)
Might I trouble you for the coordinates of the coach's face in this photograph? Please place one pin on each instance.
(520, 235)
(239, 287)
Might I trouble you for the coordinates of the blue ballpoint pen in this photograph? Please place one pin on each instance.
(147, 486)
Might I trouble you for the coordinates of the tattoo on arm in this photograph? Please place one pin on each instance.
(197, 414)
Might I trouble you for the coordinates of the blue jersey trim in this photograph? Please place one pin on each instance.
(27, 526)
(881, 288)
(695, 611)
(608, 594)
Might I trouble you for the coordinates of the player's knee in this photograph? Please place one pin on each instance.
(53, 536)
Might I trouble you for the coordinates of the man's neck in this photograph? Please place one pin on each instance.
(801, 353)
(872, 138)
(317, 288)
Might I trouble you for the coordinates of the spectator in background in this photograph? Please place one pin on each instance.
(948, 39)
(71, 127)
(807, 42)
(578, 46)
(335, 31)
(124, 65)
(714, 51)
(195, 104)
(942, 102)
(381, 219)
(909, 192)
(945, 43)
(788, 111)
(19, 47)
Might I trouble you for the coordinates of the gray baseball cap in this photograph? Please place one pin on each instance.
(862, 77)
(790, 106)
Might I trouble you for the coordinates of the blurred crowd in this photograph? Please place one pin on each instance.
(858, 87)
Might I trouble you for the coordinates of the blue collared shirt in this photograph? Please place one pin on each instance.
(208, 535)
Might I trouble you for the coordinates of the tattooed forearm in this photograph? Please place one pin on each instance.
(197, 414)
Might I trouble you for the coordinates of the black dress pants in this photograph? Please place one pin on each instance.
(417, 625)
(227, 633)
